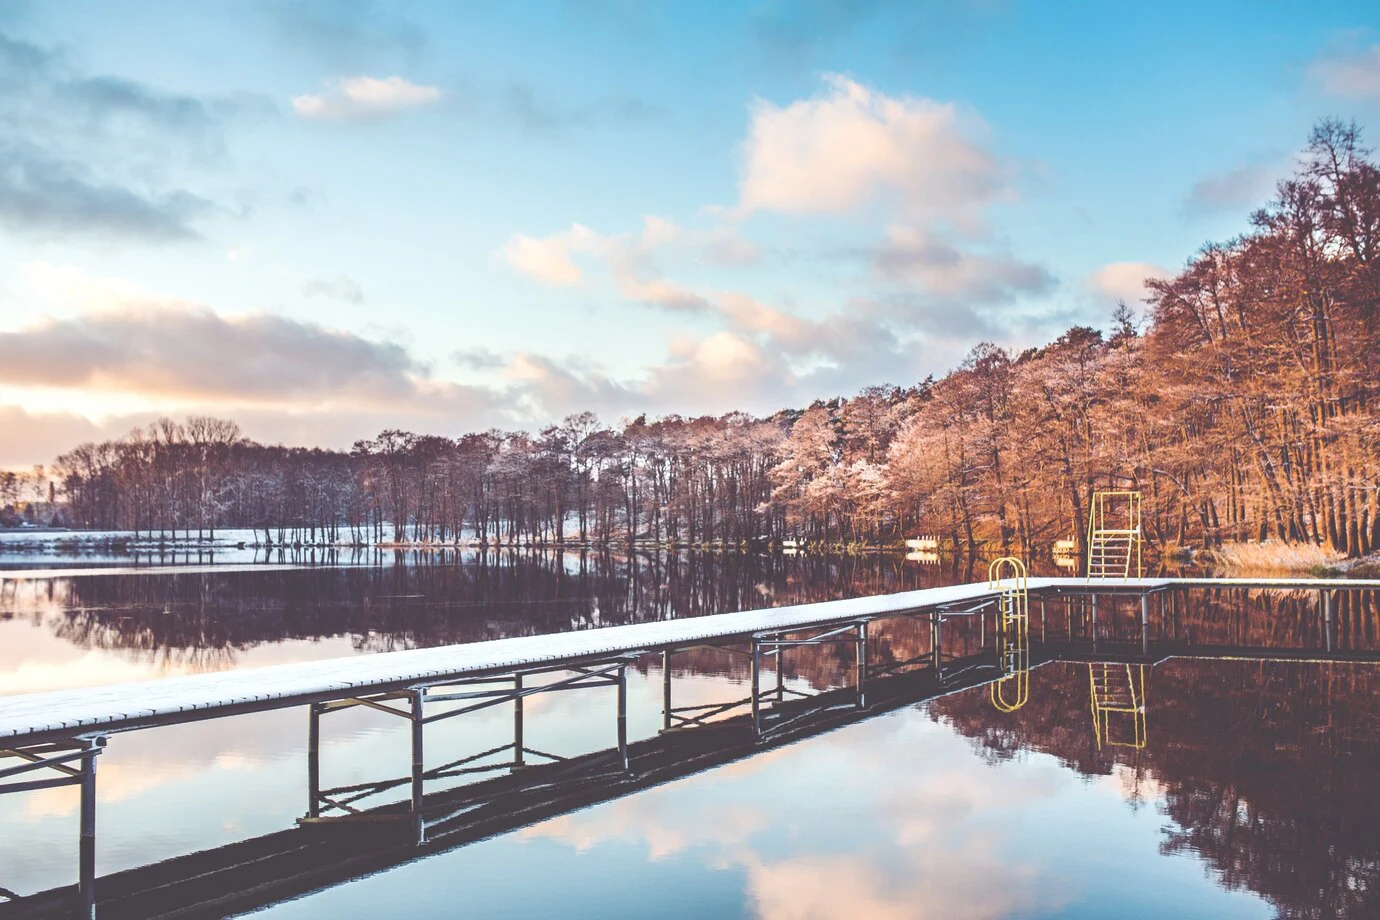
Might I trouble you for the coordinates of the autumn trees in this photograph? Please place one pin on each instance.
(1245, 408)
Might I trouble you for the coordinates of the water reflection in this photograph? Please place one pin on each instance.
(162, 624)
(1124, 773)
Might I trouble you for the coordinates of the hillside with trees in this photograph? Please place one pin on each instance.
(1244, 407)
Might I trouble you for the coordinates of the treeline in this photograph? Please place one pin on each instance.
(1243, 407)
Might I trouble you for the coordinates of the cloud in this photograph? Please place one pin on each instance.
(32, 437)
(342, 287)
(1349, 74)
(347, 33)
(946, 272)
(851, 145)
(631, 260)
(189, 351)
(365, 97)
(97, 155)
(914, 847)
(549, 259)
(1124, 280)
(1239, 189)
(42, 195)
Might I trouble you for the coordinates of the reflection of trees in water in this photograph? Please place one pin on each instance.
(1267, 770)
(203, 619)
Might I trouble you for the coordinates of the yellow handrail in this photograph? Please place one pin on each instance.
(1012, 690)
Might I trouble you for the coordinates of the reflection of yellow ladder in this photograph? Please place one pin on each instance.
(1013, 633)
(1114, 535)
(1118, 700)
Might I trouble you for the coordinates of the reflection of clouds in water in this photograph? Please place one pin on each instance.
(962, 883)
(873, 841)
(121, 782)
(1136, 787)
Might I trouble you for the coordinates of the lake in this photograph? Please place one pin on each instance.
(1245, 790)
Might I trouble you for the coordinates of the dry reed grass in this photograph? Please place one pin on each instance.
(1274, 556)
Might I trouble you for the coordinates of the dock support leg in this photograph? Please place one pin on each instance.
(935, 647)
(519, 742)
(623, 717)
(314, 760)
(756, 680)
(666, 690)
(1093, 625)
(86, 859)
(418, 765)
(862, 665)
(1044, 618)
(780, 677)
(1328, 629)
(1145, 624)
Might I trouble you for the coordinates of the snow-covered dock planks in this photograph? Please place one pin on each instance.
(65, 714)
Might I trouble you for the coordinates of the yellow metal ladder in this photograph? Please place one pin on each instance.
(1012, 690)
(1114, 535)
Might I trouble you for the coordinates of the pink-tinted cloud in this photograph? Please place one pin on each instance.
(190, 351)
(851, 145)
(1124, 280)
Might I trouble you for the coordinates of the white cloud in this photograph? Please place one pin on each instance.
(851, 144)
(1350, 74)
(1125, 280)
(549, 258)
(629, 259)
(945, 271)
(364, 97)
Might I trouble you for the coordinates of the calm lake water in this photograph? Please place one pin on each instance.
(1249, 791)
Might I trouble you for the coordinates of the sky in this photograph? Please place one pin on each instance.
(331, 217)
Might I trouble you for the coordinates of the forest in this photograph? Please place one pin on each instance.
(1242, 404)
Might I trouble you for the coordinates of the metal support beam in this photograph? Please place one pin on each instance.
(935, 647)
(314, 761)
(862, 665)
(1145, 624)
(623, 717)
(518, 749)
(666, 690)
(755, 682)
(1328, 628)
(86, 858)
(58, 757)
(418, 764)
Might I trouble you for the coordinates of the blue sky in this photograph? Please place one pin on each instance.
(326, 218)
